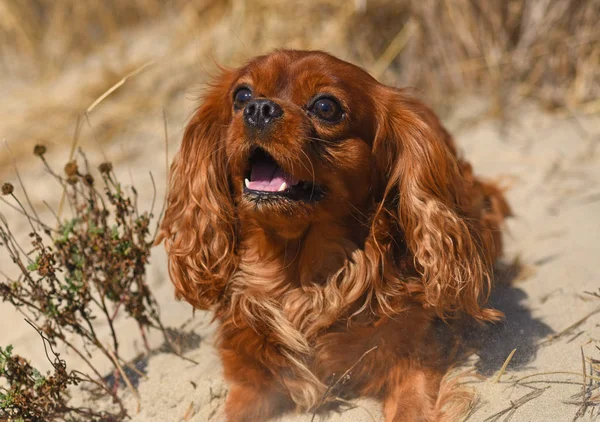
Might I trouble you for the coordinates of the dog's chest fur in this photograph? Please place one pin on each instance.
(297, 316)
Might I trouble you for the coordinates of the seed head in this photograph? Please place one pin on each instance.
(39, 150)
(105, 168)
(88, 180)
(7, 188)
(71, 168)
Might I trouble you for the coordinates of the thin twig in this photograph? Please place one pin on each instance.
(169, 343)
(86, 377)
(126, 379)
(555, 373)
(153, 194)
(74, 144)
(506, 362)
(339, 380)
(131, 366)
(44, 340)
(518, 403)
(12, 159)
(394, 48)
(570, 327)
(166, 197)
(584, 399)
(19, 210)
(117, 86)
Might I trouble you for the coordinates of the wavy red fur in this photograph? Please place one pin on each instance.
(403, 235)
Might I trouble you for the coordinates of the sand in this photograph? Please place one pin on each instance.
(551, 165)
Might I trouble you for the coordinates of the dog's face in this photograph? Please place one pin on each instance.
(299, 140)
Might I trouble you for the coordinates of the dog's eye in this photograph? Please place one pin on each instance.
(241, 97)
(327, 109)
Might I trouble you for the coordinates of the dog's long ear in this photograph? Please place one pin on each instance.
(199, 227)
(425, 197)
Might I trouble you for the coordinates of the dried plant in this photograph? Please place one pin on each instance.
(91, 268)
(30, 396)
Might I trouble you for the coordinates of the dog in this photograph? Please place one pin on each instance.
(328, 222)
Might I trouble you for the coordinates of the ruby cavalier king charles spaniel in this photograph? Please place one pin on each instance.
(330, 225)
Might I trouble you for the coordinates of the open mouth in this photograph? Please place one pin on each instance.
(265, 179)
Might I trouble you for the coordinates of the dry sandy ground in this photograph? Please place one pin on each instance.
(552, 166)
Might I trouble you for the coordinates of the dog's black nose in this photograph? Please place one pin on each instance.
(260, 113)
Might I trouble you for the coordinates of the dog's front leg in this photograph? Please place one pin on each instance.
(256, 393)
(411, 395)
(249, 403)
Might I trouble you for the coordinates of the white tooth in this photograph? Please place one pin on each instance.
(246, 182)
(282, 187)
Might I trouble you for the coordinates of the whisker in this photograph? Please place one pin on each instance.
(325, 153)
(294, 258)
(359, 212)
(306, 168)
(312, 191)
(312, 138)
(229, 159)
(216, 151)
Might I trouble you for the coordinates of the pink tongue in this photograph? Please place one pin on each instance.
(268, 177)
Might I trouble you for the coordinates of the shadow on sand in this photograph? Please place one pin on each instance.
(519, 329)
(182, 340)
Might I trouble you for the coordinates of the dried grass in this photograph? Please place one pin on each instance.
(58, 56)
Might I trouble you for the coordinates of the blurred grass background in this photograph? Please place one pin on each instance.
(58, 56)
